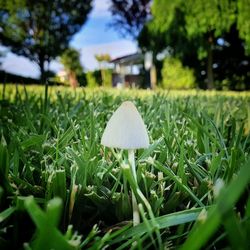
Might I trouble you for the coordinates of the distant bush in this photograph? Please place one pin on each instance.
(107, 75)
(6, 77)
(176, 76)
(91, 79)
(82, 79)
(94, 78)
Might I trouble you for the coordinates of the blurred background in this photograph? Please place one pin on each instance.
(167, 44)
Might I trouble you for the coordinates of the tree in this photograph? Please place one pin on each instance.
(41, 30)
(71, 62)
(172, 42)
(130, 15)
(190, 30)
(103, 59)
(209, 19)
(203, 20)
(134, 18)
(243, 22)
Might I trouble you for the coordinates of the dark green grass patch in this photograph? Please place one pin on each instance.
(60, 189)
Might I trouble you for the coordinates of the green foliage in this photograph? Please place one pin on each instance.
(94, 78)
(159, 8)
(46, 223)
(103, 60)
(243, 22)
(223, 213)
(107, 76)
(189, 30)
(201, 17)
(71, 61)
(214, 16)
(91, 80)
(175, 75)
(69, 192)
(72, 65)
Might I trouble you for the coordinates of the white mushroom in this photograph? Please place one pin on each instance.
(126, 130)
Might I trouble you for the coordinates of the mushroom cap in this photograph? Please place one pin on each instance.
(125, 129)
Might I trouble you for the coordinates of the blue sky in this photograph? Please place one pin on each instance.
(95, 37)
(96, 31)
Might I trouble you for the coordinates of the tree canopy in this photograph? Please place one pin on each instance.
(199, 32)
(71, 62)
(41, 30)
(130, 15)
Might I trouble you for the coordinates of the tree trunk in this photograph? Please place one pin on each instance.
(210, 76)
(72, 80)
(42, 70)
(153, 77)
(101, 71)
(103, 76)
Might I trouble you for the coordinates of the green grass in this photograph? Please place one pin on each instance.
(61, 189)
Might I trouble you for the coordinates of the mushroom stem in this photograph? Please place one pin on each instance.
(131, 159)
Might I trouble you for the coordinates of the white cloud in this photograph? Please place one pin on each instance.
(55, 66)
(100, 8)
(21, 66)
(114, 49)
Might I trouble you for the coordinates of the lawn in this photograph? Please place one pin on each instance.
(61, 189)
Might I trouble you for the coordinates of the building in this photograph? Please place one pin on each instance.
(135, 70)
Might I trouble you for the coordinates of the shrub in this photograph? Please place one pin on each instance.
(107, 75)
(176, 76)
(91, 80)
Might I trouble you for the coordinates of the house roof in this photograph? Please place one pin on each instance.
(136, 58)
